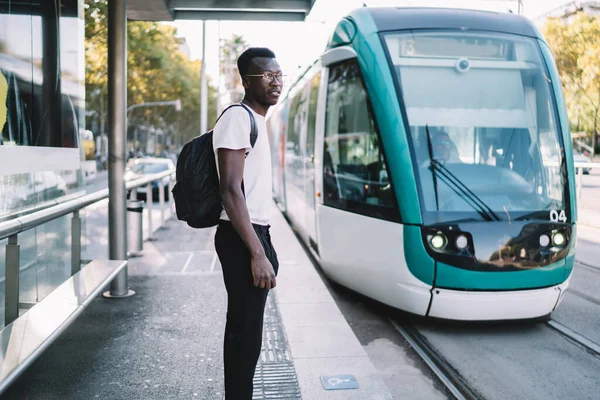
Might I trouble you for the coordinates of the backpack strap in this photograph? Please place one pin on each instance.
(253, 137)
(253, 127)
(253, 131)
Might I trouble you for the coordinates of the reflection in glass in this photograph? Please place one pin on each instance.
(42, 82)
(355, 176)
(296, 142)
(480, 106)
(41, 99)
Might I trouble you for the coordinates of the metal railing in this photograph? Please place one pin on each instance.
(11, 230)
(579, 167)
(582, 144)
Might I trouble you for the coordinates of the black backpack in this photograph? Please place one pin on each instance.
(196, 192)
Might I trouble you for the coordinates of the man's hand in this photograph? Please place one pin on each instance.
(263, 273)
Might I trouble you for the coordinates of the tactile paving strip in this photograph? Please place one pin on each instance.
(275, 377)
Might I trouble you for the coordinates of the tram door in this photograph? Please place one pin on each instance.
(300, 156)
(295, 156)
(309, 161)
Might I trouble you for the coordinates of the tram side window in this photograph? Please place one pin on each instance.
(312, 115)
(355, 177)
(293, 154)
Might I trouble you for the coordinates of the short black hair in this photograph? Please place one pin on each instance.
(244, 60)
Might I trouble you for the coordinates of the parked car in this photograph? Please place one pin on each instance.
(149, 166)
(580, 158)
(28, 190)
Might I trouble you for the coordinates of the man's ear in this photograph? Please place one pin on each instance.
(245, 83)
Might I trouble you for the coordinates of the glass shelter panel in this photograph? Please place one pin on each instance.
(42, 82)
(42, 102)
(42, 111)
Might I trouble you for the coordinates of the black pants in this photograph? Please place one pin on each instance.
(245, 308)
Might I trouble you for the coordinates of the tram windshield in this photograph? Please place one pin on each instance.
(483, 126)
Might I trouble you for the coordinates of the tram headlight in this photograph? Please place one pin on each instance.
(558, 239)
(544, 240)
(461, 242)
(438, 241)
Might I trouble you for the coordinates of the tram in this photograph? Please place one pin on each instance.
(425, 159)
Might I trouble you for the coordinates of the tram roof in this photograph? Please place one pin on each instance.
(396, 18)
(249, 10)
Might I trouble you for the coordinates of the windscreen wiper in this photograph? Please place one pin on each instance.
(435, 189)
(457, 186)
(454, 183)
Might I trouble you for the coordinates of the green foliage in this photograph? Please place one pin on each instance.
(157, 70)
(575, 43)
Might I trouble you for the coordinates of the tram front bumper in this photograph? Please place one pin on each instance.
(491, 306)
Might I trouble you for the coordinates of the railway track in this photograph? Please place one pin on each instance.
(589, 266)
(575, 337)
(450, 378)
(570, 334)
(456, 385)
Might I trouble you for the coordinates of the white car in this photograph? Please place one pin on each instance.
(149, 166)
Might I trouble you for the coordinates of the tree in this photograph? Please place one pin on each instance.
(230, 50)
(575, 43)
(157, 70)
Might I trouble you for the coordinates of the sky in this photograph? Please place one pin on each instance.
(297, 44)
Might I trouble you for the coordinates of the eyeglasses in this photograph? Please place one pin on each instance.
(269, 76)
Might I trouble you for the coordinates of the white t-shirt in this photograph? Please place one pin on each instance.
(232, 131)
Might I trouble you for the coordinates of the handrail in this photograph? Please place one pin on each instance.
(577, 164)
(146, 180)
(585, 146)
(586, 165)
(35, 219)
(42, 206)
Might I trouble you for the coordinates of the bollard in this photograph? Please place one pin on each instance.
(135, 238)
(171, 200)
(149, 200)
(161, 199)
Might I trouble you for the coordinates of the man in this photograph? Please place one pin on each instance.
(443, 148)
(242, 241)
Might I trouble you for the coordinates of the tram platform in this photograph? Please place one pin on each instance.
(166, 341)
(589, 217)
